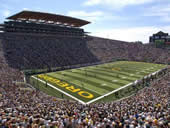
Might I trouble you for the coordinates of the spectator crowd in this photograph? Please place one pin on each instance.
(19, 107)
(40, 52)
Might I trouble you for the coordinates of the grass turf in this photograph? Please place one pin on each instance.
(99, 79)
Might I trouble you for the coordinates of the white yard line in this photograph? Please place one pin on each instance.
(60, 90)
(114, 80)
(124, 77)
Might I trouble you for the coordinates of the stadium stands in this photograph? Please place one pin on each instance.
(108, 50)
(30, 51)
(25, 27)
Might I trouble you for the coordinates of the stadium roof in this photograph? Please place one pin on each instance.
(41, 16)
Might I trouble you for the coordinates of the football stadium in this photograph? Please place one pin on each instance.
(53, 74)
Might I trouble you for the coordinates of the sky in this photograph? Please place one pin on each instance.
(126, 20)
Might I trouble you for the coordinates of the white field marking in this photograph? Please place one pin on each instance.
(114, 80)
(136, 81)
(149, 69)
(144, 71)
(103, 84)
(60, 90)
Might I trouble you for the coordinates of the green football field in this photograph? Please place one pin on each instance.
(89, 84)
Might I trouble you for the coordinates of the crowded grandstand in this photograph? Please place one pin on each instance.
(36, 43)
